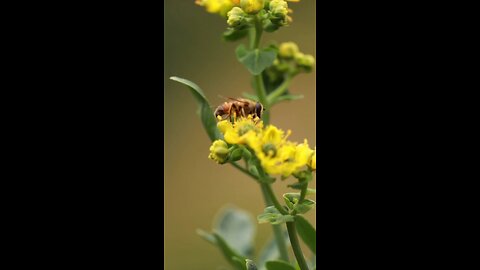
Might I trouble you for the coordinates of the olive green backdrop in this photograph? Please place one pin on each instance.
(196, 187)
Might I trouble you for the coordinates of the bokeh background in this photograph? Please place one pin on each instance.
(196, 188)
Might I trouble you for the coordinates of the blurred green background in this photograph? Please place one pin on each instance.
(196, 187)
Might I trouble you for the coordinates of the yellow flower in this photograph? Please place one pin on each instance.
(301, 158)
(272, 148)
(313, 162)
(240, 131)
(277, 155)
(252, 6)
(217, 6)
(219, 151)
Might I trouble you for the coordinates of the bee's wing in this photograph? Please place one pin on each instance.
(240, 100)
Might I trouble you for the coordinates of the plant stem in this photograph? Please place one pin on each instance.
(277, 229)
(292, 233)
(244, 170)
(259, 85)
(279, 91)
(269, 191)
(303, 193)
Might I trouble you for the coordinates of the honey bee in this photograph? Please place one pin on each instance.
(239, 107)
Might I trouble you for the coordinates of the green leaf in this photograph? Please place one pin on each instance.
(207, 236)
(273, 216)
(313, 262)
(250, 265)
(256, 60)
(206, 114)
(229, 254)
(307, 233)
(287, 97)
(298, 185)
(234, 35)
(291, 199)
(279, 265)
(237, 228)
(305, 206)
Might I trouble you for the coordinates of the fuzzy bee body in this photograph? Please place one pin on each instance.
(239, 107)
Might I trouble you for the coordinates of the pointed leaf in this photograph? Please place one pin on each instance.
(305, 206)
(234, 35)
(287, 97)
(206, 114)
(237, 228)
(256, 60)
(207, 236)
(273, 216)
(279, 265)
(229, 253)
(307, 233)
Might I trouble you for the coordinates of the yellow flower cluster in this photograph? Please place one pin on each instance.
(277, 155)
(221, 7)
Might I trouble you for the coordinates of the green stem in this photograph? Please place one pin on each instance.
(259, 85)
(245, 171)
(292, 233)
(277, 229)
(269, 200)
(279, 91)
(268, 189)
(303, 193)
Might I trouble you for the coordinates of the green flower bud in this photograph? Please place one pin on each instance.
(236, 154)
(288, 50)
(306, 61)
(246, 154)
(236, 17)
(278, 11)
(219, 152)
(252, 6)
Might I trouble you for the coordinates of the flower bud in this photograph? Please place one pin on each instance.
(278, 11)
(251, 6)
(306, 61)
(219, 152)
(246, 154)
(236, 17)
(288, 50)
(236, 154)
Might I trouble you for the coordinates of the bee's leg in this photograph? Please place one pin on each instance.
(243, 113)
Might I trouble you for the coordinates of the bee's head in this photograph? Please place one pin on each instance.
(219, 112)
(259, 109)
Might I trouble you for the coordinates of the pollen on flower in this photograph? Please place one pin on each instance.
(242, 130)
(276, 154)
